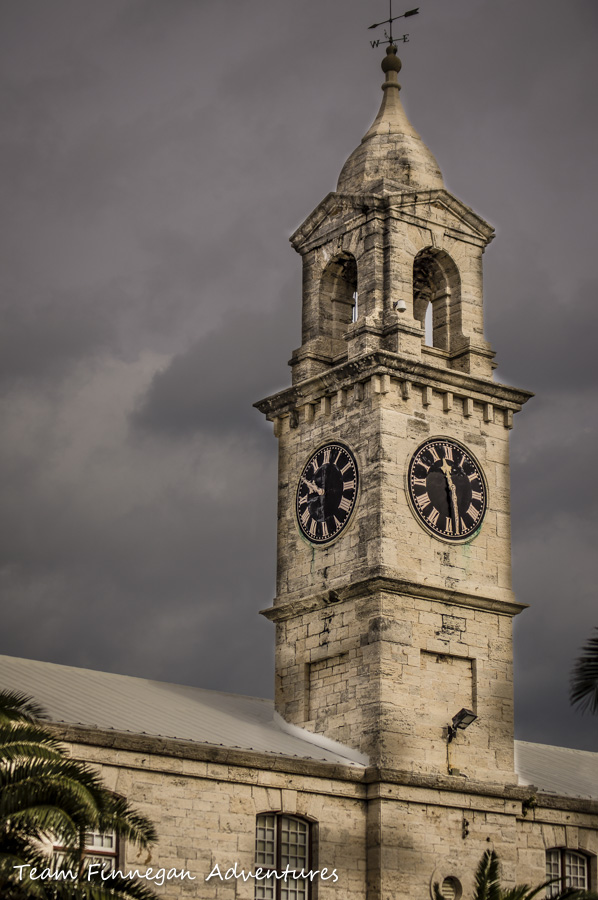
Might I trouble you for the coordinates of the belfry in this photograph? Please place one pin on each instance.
(394, 603)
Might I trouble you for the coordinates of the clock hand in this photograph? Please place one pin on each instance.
(453, 492)
(314, 489)
(447, 471)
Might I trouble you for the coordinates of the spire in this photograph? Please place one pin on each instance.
(392, 156)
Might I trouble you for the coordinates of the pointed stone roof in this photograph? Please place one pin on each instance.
(392, 156)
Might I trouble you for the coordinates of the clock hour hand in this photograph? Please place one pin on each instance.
(453, 493)
(314, 489)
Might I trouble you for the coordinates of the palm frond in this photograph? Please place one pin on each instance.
(16, 706)
(524, 891)
(576, 894)
(44, 794)
(129, 823)
(28, 735)
(584, 679)
(487, 877)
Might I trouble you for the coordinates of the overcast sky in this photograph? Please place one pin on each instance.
(156, 156)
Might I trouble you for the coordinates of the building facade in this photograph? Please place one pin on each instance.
(388, 762)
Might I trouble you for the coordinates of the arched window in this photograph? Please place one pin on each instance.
(569, 867)
(436, 297)
(282, 841)
(338, 290)
(429, 325)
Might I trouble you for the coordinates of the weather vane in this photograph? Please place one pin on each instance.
(389, 38)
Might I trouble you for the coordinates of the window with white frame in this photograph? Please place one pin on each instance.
(98, 847)
(569, 867)
(282, 843)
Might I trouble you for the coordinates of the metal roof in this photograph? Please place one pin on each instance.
(139, 706)
(558, 770)
(110, 702)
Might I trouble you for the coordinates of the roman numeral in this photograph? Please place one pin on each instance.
(463, 526)
(473, 477)
(419, 482)
(475, 495)
(448, 526)
(349, 485)
(327, 454)
(305, 517)
(424, 465)
(345, 504)
(433, 454)
(337, 524)
(433, 517)
(312, 528)
(462, 461)
(325, 530)
(448, 452)
(347, 467)
(338, 456)
(423, 500)
(303, 499)
(472, 511)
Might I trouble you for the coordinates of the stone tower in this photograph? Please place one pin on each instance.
(394, 603)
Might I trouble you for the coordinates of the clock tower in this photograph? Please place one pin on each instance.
(394, 603)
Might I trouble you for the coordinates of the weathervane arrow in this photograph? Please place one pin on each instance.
(389, 38)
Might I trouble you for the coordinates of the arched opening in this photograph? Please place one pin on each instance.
(338, 296)
(429, 325)
(436, 297)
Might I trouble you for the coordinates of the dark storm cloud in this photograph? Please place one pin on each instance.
(117, 532)
(550, 340)
(43, 339)
(156, 158)
(222, 400)
(551, 468)
(554, 570)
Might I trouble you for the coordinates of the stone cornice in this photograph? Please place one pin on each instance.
(386, 584)
(377, 778)
(371, 780)
(173, 748)
(479, 226)
(403, 204)
(380, 362)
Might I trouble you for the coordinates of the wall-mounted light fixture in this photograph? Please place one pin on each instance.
(400, 306)
(462, 720)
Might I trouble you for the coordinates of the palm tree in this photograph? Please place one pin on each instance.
(584, 678)
(44, 795)
(488, 887)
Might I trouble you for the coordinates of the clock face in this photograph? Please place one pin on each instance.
(447, 489)
(326, 493)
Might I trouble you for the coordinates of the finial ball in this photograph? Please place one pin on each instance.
(391, 62)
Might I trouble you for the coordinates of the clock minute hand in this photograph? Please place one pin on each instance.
(453, 492)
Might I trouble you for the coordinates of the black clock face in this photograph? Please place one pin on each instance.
(326, 493)
(447, 489)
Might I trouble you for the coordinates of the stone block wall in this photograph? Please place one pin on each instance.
(383, 419)
(386, 673)
(389, 835)
(205, 813)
